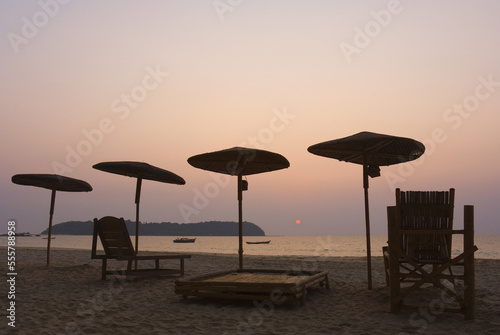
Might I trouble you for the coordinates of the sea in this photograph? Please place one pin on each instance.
(307, 246)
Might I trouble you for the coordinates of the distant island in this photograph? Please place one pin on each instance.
(211, 228)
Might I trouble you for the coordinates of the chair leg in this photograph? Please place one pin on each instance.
(469, 298)
(385, 253)
(129, 269)
(103, 271)
(182, 266)
(303, 297)
(469, 267)
(394, 269)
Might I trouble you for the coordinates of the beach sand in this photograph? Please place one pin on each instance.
(70, 298)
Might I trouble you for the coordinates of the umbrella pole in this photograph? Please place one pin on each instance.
(52, 201)
(367, 222)
(240, 219)
(137, 201)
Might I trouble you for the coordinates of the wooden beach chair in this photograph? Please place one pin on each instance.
(117, 245)
(420, 230)
(443, 206)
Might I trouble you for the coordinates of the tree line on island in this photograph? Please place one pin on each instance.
(210, 228)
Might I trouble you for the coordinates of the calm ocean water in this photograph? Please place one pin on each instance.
(322, 246)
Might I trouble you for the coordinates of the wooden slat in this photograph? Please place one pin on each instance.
(422, 214)
(256, 278)
(430, 232)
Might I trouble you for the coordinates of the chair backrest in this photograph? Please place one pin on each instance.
(114, 236)
(424, 212)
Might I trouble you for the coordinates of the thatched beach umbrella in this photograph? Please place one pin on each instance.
(370, 150)
(140, 171)
(240, 162)
(54, 183)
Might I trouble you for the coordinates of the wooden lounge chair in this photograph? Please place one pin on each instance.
(117, 245)
(278, 286)
(420, 230)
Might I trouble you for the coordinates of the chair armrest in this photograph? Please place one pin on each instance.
(153, 257)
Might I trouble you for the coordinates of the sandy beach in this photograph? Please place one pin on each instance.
(70, 298)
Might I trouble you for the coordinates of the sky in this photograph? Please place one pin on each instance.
(83, 82)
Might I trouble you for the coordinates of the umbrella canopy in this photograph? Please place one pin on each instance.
(240, 162)
(370, 150)
(54, 183)
(140, 171)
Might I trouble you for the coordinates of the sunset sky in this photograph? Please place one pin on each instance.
(82, 82)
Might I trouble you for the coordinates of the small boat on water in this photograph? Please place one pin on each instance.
(184, 240)
(24, 234)
(259, 242)
(18, 234)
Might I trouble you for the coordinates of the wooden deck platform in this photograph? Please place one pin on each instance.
(252, 284)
